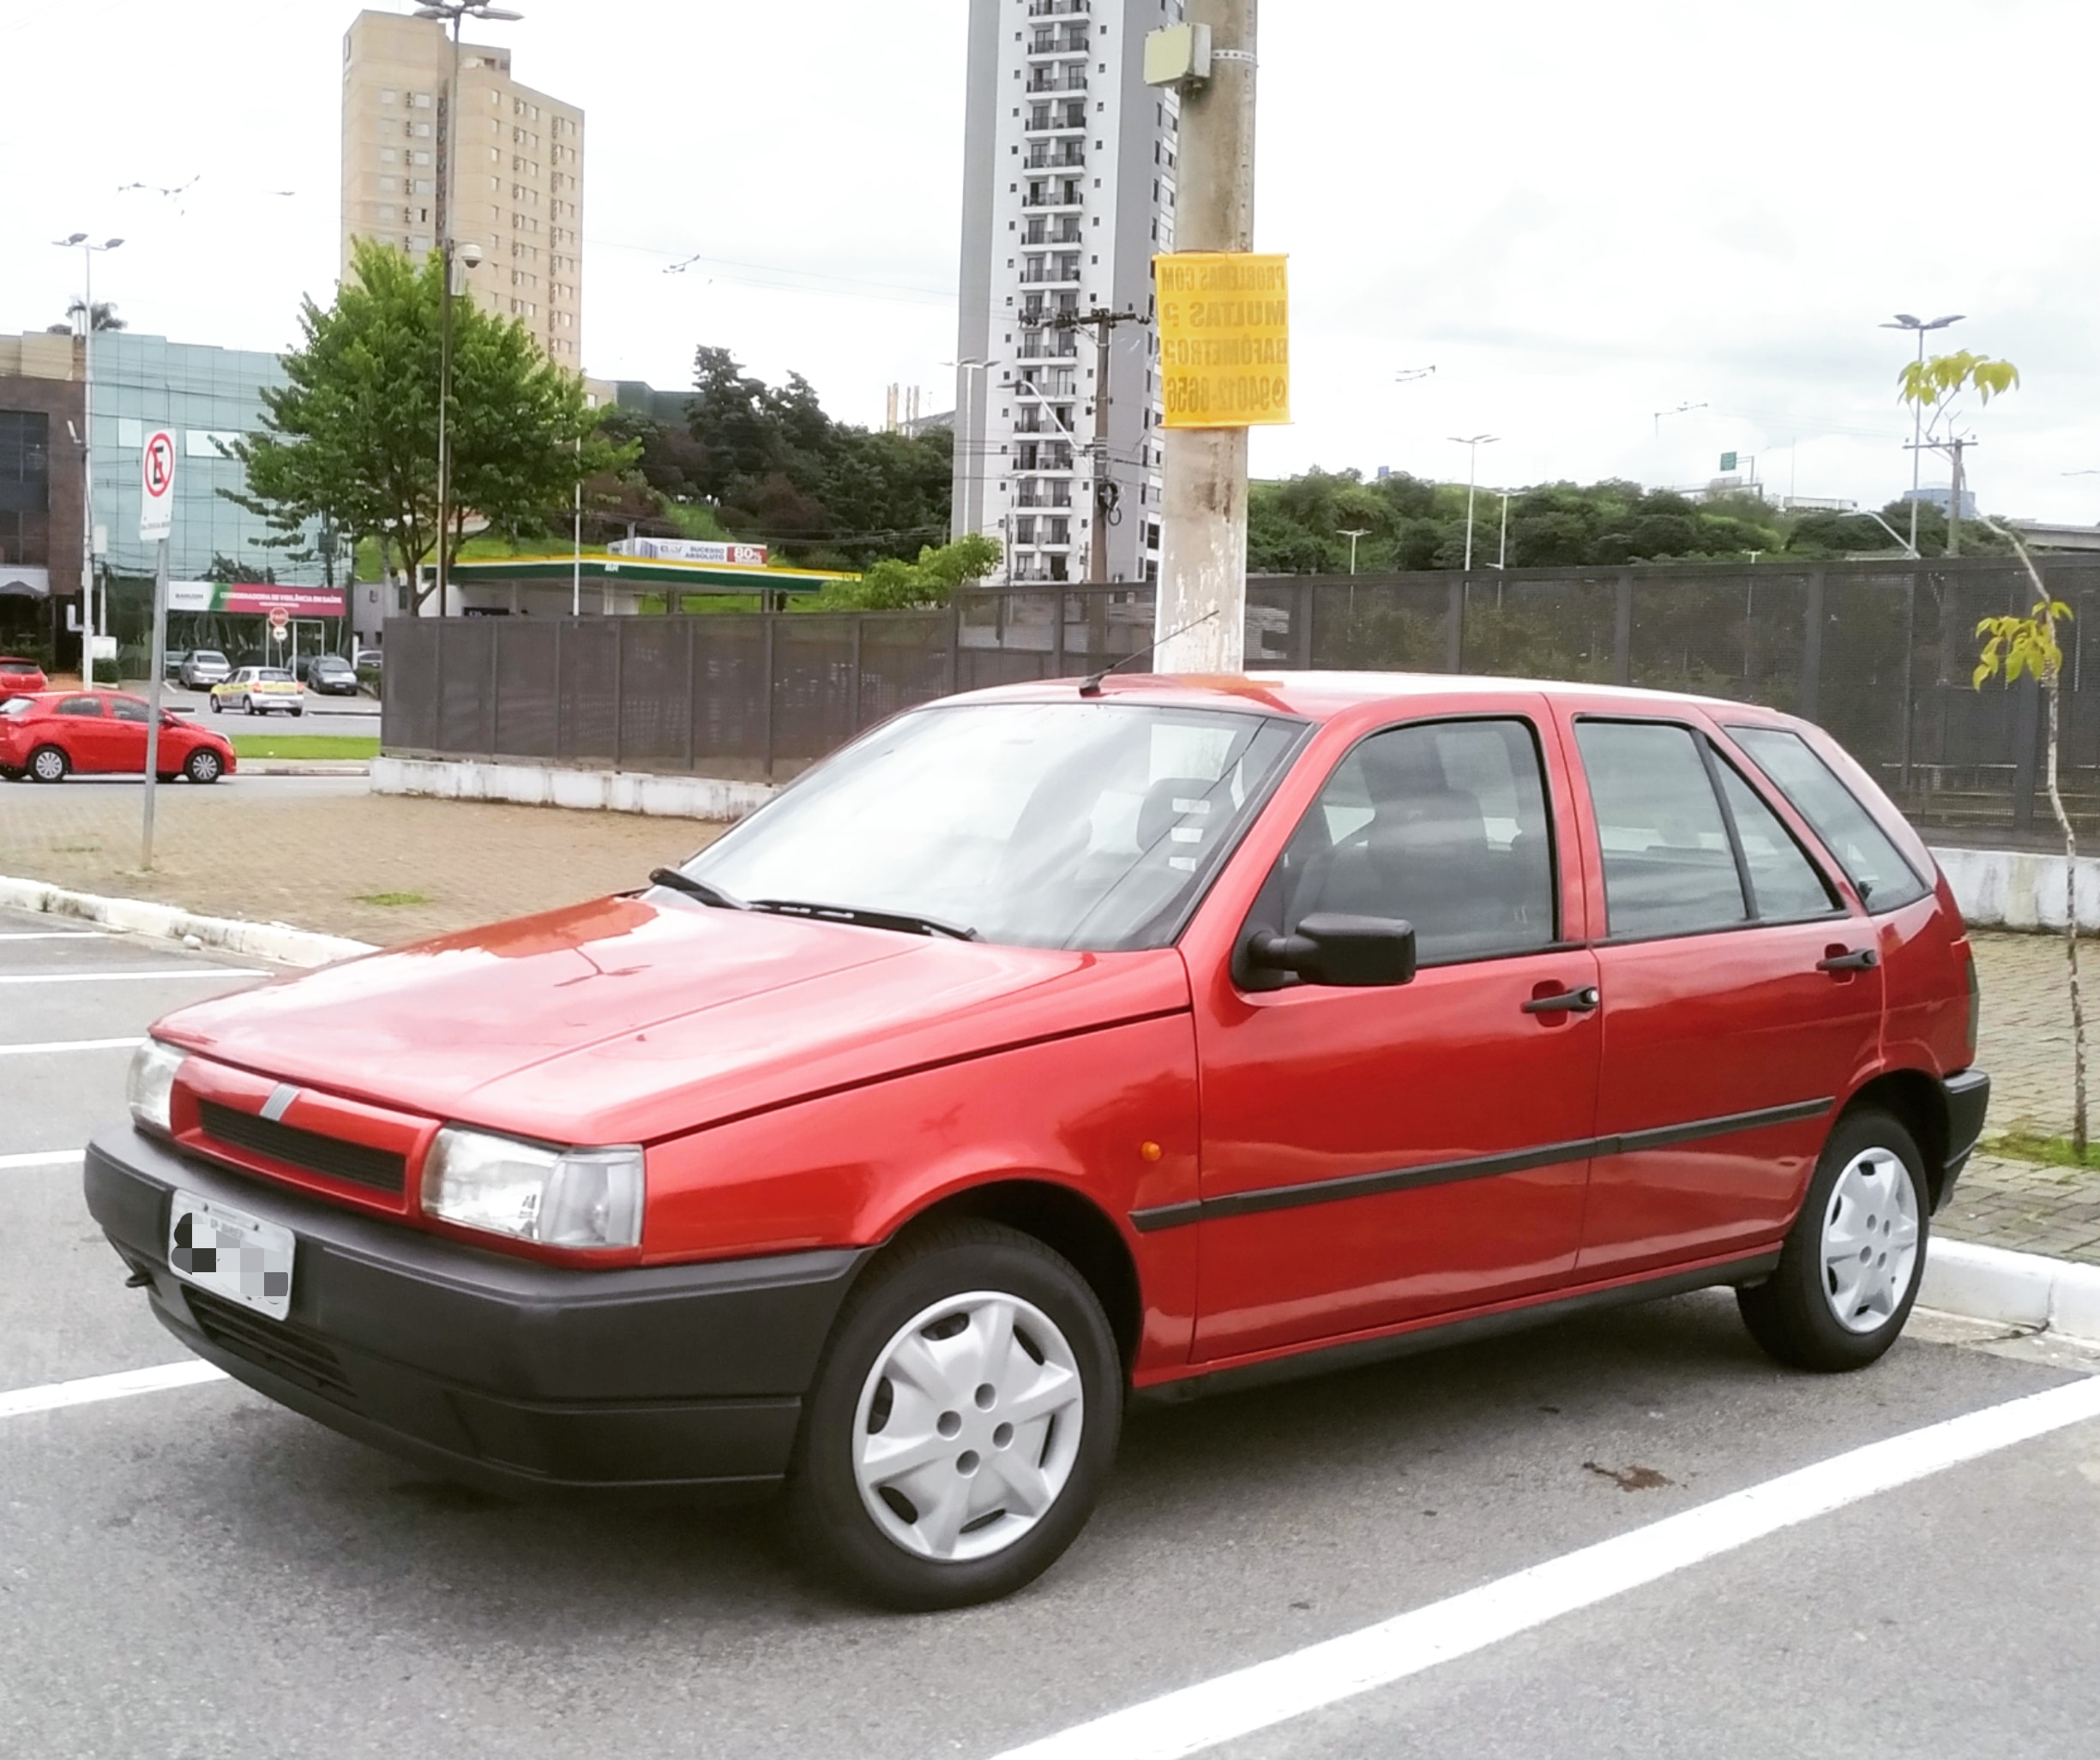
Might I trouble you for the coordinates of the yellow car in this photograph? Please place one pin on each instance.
(260, 690)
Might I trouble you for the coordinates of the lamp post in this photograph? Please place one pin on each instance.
(1352, 534)
(1472, 443)
(87, 250)
(450, 11)
(1906, 321)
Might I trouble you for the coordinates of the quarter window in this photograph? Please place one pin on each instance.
(1668, 868)
(1442, 825)
(1870, 859)
(1783, 881)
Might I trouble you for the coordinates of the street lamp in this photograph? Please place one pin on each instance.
(1906, 321)
(451, 11)
(87, 250)
(1472, 443)
(1352, 534)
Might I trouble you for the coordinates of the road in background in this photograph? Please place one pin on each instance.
(197, 1572)
(344, 715)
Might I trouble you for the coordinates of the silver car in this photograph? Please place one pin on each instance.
(202, 668)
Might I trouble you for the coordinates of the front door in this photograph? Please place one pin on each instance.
(1374, 1155)
(126, 733)
(1736, 1006)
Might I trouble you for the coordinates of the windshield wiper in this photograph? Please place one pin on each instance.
(897, 920)
(692, 888)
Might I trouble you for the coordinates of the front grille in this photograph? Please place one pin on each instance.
(382, 1169)
(270, 1344)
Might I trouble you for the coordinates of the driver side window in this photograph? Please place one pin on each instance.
(1443, 825)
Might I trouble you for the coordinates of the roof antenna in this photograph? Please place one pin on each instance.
(1091, 685)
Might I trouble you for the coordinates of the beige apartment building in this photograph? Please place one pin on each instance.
(516, 190)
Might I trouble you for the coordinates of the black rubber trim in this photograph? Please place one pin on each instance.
(1968, 1100)
(382, 1169)
(1326, 1359)
(1477, 1167)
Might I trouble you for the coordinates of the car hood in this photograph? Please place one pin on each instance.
(623, 1020)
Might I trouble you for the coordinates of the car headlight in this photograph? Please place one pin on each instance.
(150, 1087)
(560, 1197)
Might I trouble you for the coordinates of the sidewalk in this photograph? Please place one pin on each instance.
(323, 855)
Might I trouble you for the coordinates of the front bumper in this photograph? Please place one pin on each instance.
(1968, 1099)
(503, 1372)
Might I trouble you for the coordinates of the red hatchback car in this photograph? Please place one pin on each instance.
(48, 736)
(1056, 1043)
(20, 677)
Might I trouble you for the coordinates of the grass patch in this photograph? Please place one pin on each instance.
(392, 898)
(2048, 1152)
(306, 745)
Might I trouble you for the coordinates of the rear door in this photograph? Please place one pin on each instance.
(1738, 1000)
(84, 731)
(1373, 1156)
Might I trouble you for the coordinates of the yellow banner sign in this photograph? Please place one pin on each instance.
(1225, 339)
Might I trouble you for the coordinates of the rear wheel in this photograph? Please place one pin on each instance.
(203, 766)
(963, 1422)
(254, 707)
(1850, 1268)
(217, 705)
(48, 764)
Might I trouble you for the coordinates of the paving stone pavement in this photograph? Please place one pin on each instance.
(318, 854)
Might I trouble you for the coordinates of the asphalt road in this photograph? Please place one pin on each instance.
(357, 715)
(196, 1572)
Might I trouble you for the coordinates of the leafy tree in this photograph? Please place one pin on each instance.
(1935, 387)
(352, 438)
(105, 318)
(891, 585)
(225, 570)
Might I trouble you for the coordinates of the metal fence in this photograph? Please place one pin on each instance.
(1880, 654)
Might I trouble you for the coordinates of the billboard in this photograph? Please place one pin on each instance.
(690, 549)
(254, 597)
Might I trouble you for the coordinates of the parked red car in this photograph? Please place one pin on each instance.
(48, 736)
(1057, 1041)
(20, 677)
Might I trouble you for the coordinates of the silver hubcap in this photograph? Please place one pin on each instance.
(968, 1426)
(1869, 1240)
(50, 766)
(203, 766)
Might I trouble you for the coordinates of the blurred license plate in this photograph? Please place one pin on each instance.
(230, 1253)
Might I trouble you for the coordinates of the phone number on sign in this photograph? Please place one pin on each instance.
(1226, 399)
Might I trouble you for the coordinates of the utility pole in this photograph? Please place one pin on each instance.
(1953, 504)
(1905, 320)
(1201, 612)
(1352, 534)
(1107, 496)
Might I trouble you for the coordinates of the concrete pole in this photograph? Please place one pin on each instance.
(1953, 502)
(1203, 512)
(88, 470)
(157, 649)
(1917, 446)
(1098, 562)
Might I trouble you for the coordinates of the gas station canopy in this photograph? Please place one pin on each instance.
(614, 585)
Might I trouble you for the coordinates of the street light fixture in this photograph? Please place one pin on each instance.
(1906, 321)
(87, 250)
(1472, 443)
(451, 12)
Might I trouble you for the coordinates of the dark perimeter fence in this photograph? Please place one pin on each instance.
(1880, 654)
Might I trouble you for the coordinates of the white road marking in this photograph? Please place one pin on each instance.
(52, 935)
(43, 1158)
(1272, 1692)
(107, 977)
(59, 1394)
(58, 1045)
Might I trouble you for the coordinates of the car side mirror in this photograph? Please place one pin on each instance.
(1330, 948)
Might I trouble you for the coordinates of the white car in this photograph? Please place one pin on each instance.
(202, 668)
(260, 690)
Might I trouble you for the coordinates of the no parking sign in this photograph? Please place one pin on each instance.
(157, 486)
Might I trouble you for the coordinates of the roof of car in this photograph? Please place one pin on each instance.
(1319, 696)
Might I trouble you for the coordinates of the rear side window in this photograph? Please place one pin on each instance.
(1443, 825)
(125, 710)
(1870, 859)
(1784, 883)
(1669, 866)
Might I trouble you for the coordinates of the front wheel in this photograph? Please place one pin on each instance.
(963, 1423)
(203, 766)
(1850, 1268)
(217, 706)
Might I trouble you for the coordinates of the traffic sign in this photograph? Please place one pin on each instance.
(157, 486)
(279, 618)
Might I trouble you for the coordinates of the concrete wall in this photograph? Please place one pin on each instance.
(2019, 889)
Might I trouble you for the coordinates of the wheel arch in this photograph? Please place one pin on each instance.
(1918, 1101)
(1069, 1224)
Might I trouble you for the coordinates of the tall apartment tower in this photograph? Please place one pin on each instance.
(1067, 191)
(517, 187)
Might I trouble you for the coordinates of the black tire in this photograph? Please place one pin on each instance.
(833, 1528)
(203, 766)
(250, 703)
(1791, 1314)
(49, 764)
(216, 705)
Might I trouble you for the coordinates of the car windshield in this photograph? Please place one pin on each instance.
(331, 663)
(205, 656)
(274, 676)
(1082, 825)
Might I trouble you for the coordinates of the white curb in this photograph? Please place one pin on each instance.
(276, 941)
(550, 785)
(2014, 1288)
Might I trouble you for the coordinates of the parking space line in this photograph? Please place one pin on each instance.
(1260, 1698)
(52, 935)
(53, 1046)
(57, 1395)
(107, 977)
(44, 1158)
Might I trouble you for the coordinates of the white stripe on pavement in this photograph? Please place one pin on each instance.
(106, 977)
(59, 1394)
(1269, 1693)
(56, 1045)
(52, 935)
(43, 1158)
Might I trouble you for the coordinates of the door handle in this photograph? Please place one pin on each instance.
(1863, 959)
(1579, 1001)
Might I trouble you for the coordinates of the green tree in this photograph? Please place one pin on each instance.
(892, 585)
(352, 438)
(1935, 388)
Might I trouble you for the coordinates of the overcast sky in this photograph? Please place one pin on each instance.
(1579, 214)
